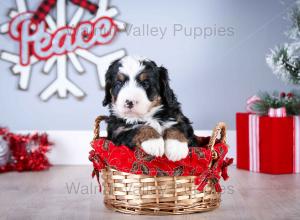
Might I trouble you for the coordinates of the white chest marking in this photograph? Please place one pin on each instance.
(160, 128)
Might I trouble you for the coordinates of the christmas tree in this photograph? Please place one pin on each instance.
(284, 60)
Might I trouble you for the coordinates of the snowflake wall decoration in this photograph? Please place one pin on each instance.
(62, 85)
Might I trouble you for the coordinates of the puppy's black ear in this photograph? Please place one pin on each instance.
(166, 93)
(107, 98)
(108, 83)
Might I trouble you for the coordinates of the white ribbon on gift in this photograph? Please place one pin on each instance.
(254, 157)
(277, 112)
(254, 143)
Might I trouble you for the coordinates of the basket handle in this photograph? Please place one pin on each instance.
(97, 126)
(219, 129)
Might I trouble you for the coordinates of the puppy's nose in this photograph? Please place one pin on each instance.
(129, 104)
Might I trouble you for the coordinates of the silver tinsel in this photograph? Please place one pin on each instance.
(4, 152)
(31, 146)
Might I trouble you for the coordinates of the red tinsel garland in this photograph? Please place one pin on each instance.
(24, 152)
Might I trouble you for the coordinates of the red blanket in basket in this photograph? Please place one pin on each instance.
(121, 158)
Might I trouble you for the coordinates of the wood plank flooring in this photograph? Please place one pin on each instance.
(68, 192)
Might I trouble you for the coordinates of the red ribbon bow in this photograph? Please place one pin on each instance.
(225, 164)
(96, 173)
(213, 175)
(203, 179)
(98, 166)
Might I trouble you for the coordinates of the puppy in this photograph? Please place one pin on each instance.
(144, 110)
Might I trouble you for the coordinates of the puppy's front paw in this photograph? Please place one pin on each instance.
(176, 150)
(154, 147)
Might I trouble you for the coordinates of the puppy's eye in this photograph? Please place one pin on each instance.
(145, 84)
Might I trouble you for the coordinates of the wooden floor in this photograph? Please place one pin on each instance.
(51, 195)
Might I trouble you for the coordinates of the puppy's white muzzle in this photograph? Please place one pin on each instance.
(132, 101)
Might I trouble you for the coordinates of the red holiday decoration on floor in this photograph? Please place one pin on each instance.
(23, 152)
(268, 144)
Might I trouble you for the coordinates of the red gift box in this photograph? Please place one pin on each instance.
(268, 144)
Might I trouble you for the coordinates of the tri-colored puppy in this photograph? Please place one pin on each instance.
(144, 110)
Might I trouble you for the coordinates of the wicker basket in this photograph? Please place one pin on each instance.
(163, 195)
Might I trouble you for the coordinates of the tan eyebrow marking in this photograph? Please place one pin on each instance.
(143, 76)
(121, 77)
